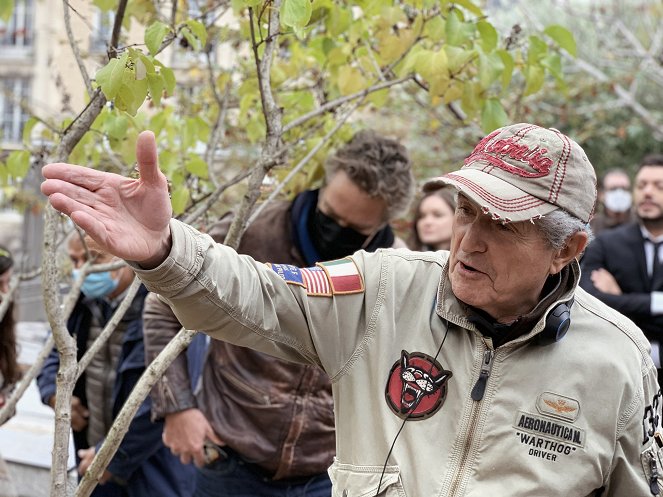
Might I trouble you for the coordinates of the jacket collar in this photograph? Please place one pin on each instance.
(452, 310)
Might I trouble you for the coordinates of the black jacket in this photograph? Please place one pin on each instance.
(621, 252)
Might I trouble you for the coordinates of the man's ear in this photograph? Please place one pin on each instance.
(574, 246)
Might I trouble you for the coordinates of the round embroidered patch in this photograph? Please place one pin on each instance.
(417, 386)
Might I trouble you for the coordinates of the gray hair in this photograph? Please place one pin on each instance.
(559, 225)
(380, 166)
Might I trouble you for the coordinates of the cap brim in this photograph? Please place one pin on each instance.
(496, 197)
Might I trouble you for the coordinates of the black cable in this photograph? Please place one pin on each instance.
(393, 444)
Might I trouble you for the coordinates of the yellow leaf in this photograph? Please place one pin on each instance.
(350, 80)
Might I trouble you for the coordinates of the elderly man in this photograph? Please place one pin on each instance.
(510, 379)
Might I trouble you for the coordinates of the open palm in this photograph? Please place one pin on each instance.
(126, 217)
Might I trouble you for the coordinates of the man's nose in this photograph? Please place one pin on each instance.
(473, 238)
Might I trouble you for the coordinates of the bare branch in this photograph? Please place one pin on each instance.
(74, 48)
(342, 100)
(271, 153)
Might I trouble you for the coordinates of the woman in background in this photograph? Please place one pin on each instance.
(9, 369)
(433, 219)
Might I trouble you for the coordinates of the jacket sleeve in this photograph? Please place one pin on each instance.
(46, 377)
(629, 304)
(142, 441)
(636, 467)
(172, 392)
(237, 299)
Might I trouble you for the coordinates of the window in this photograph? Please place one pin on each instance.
(18, 32)
(102, 30)
(14, 96)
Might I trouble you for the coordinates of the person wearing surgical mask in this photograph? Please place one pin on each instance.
(144, 467)
(616, 200)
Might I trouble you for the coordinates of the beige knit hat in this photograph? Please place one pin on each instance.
(523, 172)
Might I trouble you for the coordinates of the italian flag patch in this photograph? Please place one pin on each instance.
(343, 275)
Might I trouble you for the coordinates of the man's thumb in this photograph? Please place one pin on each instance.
(147, 157)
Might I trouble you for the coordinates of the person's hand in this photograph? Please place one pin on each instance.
(87, 456)
(605, 282)
(126, 217)
(185, 432)
(79, 414)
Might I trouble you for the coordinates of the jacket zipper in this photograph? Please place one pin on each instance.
(653, 481)
(480, 386)
(477, 395)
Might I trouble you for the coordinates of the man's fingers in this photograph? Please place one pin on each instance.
(147, 157)
(85, 177)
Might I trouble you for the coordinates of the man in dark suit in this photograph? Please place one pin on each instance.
(624, 266)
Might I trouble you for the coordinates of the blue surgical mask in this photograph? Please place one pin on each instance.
(97, 285)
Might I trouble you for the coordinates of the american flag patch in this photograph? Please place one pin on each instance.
(313, 279)
(316, 282)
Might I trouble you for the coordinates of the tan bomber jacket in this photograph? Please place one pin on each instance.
(561, 420)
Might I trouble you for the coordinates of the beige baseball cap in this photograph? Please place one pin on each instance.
(523, 172)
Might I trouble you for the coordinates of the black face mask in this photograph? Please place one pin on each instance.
(331, 240)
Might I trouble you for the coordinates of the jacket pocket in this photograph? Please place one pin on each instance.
(362, 481)
(652, 463)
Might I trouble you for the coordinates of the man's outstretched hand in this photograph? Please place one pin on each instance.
(126, 217)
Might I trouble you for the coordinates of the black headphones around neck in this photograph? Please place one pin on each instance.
(558, 321)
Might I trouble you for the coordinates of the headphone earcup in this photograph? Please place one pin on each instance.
(557, 324)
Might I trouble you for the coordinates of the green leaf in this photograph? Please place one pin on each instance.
(18, 163)
(179, 199)
(296, 13)
(168, 79)
(432, 65)
(338, 21)
(4, 174)
(27, 130)
(534, 78)
(191, 39)
(563, 37)
(350, 80)
(488, 36)
(490, 68)
(458, 57)
(154, 36)
(471, 7)
(553, 63)
(116, 126)
(111, 75)
(197, 166)
(453, 28)
(199, 31)
(434, 28)
(509, 64)
(493, 115)
(6, 9)
(537, 49)
(155, 86)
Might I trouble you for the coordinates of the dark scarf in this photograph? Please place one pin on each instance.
(303, 209)
(555, 286)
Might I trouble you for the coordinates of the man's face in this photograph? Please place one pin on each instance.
(350, 206)
(648, 193)
(616, 180)
(498, 268)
